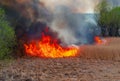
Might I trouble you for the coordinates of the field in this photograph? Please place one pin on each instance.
(108, 51)
(94, 63)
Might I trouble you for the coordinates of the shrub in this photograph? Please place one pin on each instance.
(7, 37)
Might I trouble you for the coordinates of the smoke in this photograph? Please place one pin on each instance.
(76, 5)
(73, 20)
(31, 9)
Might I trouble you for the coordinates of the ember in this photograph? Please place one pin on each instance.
(48, 47)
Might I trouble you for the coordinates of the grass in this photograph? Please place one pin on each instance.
(108, 51)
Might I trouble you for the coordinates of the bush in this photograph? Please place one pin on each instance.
(7, 37)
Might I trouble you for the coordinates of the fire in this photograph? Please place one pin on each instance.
(98, 40)
(48, 47)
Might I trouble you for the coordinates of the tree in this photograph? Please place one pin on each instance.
(102, 10)
(7, 37)
(114, 20)
(109, 18)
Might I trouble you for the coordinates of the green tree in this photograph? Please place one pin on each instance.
(114, 16)
(7, 37)
(114, 20)
(102, 8)
(109, 18)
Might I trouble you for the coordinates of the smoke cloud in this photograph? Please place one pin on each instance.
(73, 20)
(76, 5)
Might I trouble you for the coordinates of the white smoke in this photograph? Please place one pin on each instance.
(82, 6)
(66, 17)
(63, 11)
(62, 15)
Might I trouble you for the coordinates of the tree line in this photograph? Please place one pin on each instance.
(108, 19)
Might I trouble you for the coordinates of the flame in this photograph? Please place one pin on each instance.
(98, 40)
(48, 47)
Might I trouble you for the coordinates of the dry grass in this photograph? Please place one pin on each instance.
(108, 51)
(69, 69)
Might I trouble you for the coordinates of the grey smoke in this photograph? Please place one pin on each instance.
(74, 28)
(73, 20)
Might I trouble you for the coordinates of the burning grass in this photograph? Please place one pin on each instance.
(48, 47)
(69, 69)
(45, 49)
(108, 51)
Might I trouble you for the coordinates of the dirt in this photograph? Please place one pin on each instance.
(64, 69)
(94, 67)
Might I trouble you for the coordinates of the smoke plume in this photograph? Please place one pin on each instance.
(73, 20)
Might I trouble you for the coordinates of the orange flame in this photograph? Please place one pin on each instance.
(98, 40)
(49, 48)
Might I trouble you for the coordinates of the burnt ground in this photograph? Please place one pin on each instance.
(92, 68)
